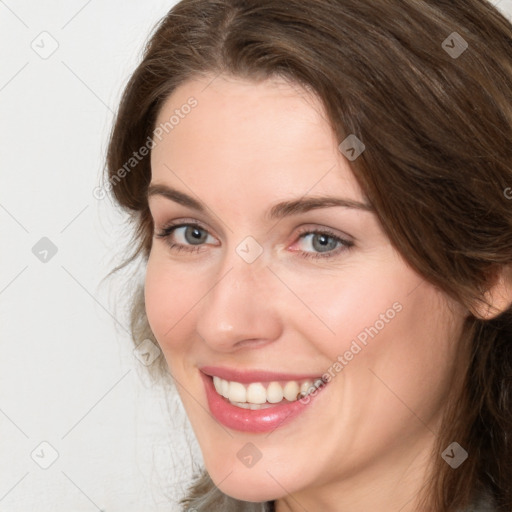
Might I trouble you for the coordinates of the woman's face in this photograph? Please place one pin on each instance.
(298, 291)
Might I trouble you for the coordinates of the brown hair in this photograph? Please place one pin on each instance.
(437, 125)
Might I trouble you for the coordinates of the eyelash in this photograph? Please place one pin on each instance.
(345, 244)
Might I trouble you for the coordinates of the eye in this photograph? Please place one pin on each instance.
(190, 237)
(190, 233)
(325, 242)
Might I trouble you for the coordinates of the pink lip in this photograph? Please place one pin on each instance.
(246, 377)
(248, 420)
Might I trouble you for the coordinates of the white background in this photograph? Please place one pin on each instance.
(68, 375)
(67, 372)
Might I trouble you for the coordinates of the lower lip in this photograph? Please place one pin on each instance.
(249, 420)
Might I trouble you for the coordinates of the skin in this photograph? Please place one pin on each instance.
(366, 441)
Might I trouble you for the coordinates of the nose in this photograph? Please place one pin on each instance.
(241, 308)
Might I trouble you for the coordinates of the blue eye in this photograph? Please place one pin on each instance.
(193, 236)
(325, 242)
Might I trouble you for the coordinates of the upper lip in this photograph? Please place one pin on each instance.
(248, 376)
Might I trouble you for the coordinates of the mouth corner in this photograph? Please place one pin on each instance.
(204, 374)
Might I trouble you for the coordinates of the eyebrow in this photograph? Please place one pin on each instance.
(278, 211)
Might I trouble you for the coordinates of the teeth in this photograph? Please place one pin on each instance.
(224, 389)
(217, 384)
(256, 396)
(256, 393)
(291, 390)
(274, 393)
(237, 392)
(304, 388)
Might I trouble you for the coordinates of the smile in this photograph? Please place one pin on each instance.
(258, 396)
(257, 406)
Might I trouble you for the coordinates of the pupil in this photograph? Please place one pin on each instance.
(321, 242)
(196, 235)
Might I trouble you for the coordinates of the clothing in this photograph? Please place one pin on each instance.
(484, 503)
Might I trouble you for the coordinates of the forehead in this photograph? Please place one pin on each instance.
(270, 136)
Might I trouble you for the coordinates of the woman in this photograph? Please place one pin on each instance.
(319, 193)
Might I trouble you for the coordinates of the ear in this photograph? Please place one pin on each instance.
(498, 297)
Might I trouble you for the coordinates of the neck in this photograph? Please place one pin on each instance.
(391, 483)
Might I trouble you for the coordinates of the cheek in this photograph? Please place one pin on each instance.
(343, 309)
(169, 296)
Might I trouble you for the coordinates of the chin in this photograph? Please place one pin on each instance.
(242, 489)
(248, 484)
